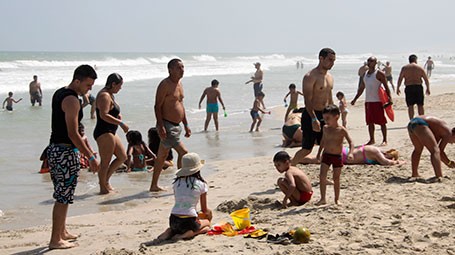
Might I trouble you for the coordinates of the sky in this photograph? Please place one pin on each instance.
(229, 26)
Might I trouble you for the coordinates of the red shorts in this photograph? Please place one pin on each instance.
(332, 159)
(305, 197)
(374, 113)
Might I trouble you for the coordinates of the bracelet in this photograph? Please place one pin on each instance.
(121, 123)
(91, 158)
(314, 119)
(185, 124)
(450, 164)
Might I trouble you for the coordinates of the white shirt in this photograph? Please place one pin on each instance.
(186, 198)
(371, 87)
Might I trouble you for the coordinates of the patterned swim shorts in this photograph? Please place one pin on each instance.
(65, 165)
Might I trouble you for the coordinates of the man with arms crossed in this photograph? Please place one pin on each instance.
(64, 148)
(413, 75)
(317, 92)
(169, 112)
(35, 92)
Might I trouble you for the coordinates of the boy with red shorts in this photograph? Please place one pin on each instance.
(332, 144)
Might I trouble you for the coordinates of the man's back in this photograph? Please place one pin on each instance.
(212, 94)
(412, 74)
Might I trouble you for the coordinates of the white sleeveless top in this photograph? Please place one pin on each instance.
(371, 87)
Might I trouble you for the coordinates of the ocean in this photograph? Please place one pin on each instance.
(26, 196)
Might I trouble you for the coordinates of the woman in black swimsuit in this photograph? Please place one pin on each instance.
(108, 119)
(291, 131)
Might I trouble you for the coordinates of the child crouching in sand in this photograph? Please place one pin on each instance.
(189, 187)
(332, 144)
(295, 185)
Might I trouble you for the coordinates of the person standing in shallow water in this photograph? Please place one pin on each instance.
(63, 151)
(108, 119)
(257, 81)
(213, 96)
(169, 113)
(36, 94)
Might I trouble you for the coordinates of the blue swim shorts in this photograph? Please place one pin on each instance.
(213, 107)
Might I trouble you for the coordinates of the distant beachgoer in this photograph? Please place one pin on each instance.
(257, 81)
(9, 102)
(213, 96)
(108, 119)
(374, 110)
(154, 145)
(413, 75)
(434, 134)
(364, 155)
(89, 99)
(317, 90)
(189, 188)
(84, 160)
(332, 149)
(36, 94)
(362, 70)
(291, 130)
(429, 65)
(169, 113)
(64, 149)
(295, 185)
(294, 99)
(388, 74)
(343, 108)
(138, 152)
(257, 119)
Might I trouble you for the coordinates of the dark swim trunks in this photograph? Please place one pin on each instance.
(64, 169)
(389, 78)
(310, 136)
(417, 121)
(179, 225)
(254, 114)
(414, 94)
(9, 108)
(257, 88)
(332, 159)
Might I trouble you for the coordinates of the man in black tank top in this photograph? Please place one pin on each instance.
(65, 147)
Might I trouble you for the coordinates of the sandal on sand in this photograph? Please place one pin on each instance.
(259, 234)
(278, 239)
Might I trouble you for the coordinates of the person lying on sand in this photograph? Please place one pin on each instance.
(365, 155)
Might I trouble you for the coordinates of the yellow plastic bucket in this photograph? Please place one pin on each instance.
(241, 218)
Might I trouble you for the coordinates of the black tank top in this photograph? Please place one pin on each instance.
(59, 132)
(102, 126)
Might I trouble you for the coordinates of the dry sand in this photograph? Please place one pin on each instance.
(382, 211)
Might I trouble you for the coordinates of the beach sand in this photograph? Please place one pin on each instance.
(382, 211)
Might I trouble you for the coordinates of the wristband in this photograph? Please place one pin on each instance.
(185, 124)
(91, 158)
(314, 119)
(121, 123)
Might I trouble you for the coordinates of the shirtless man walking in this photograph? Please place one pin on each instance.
(429, 65)
(35, 91)
(413, 74)
(169, 112)
(317, 91)
(213, 95)
(388, 74)
(257, 81)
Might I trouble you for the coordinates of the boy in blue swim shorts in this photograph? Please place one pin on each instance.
(213, 96)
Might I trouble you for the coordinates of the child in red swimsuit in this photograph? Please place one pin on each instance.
(332, 146)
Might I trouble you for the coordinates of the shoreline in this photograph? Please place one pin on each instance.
(382, 210)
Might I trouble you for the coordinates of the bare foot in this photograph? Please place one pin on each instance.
(62, 245)
(104, 191)
(370, 142)
(150, 170)
(156, 241)
(338, 203)
(384, 143)
(321, 202)
(327, 182)
(156, 189)
(109, 187)
(69, 236)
